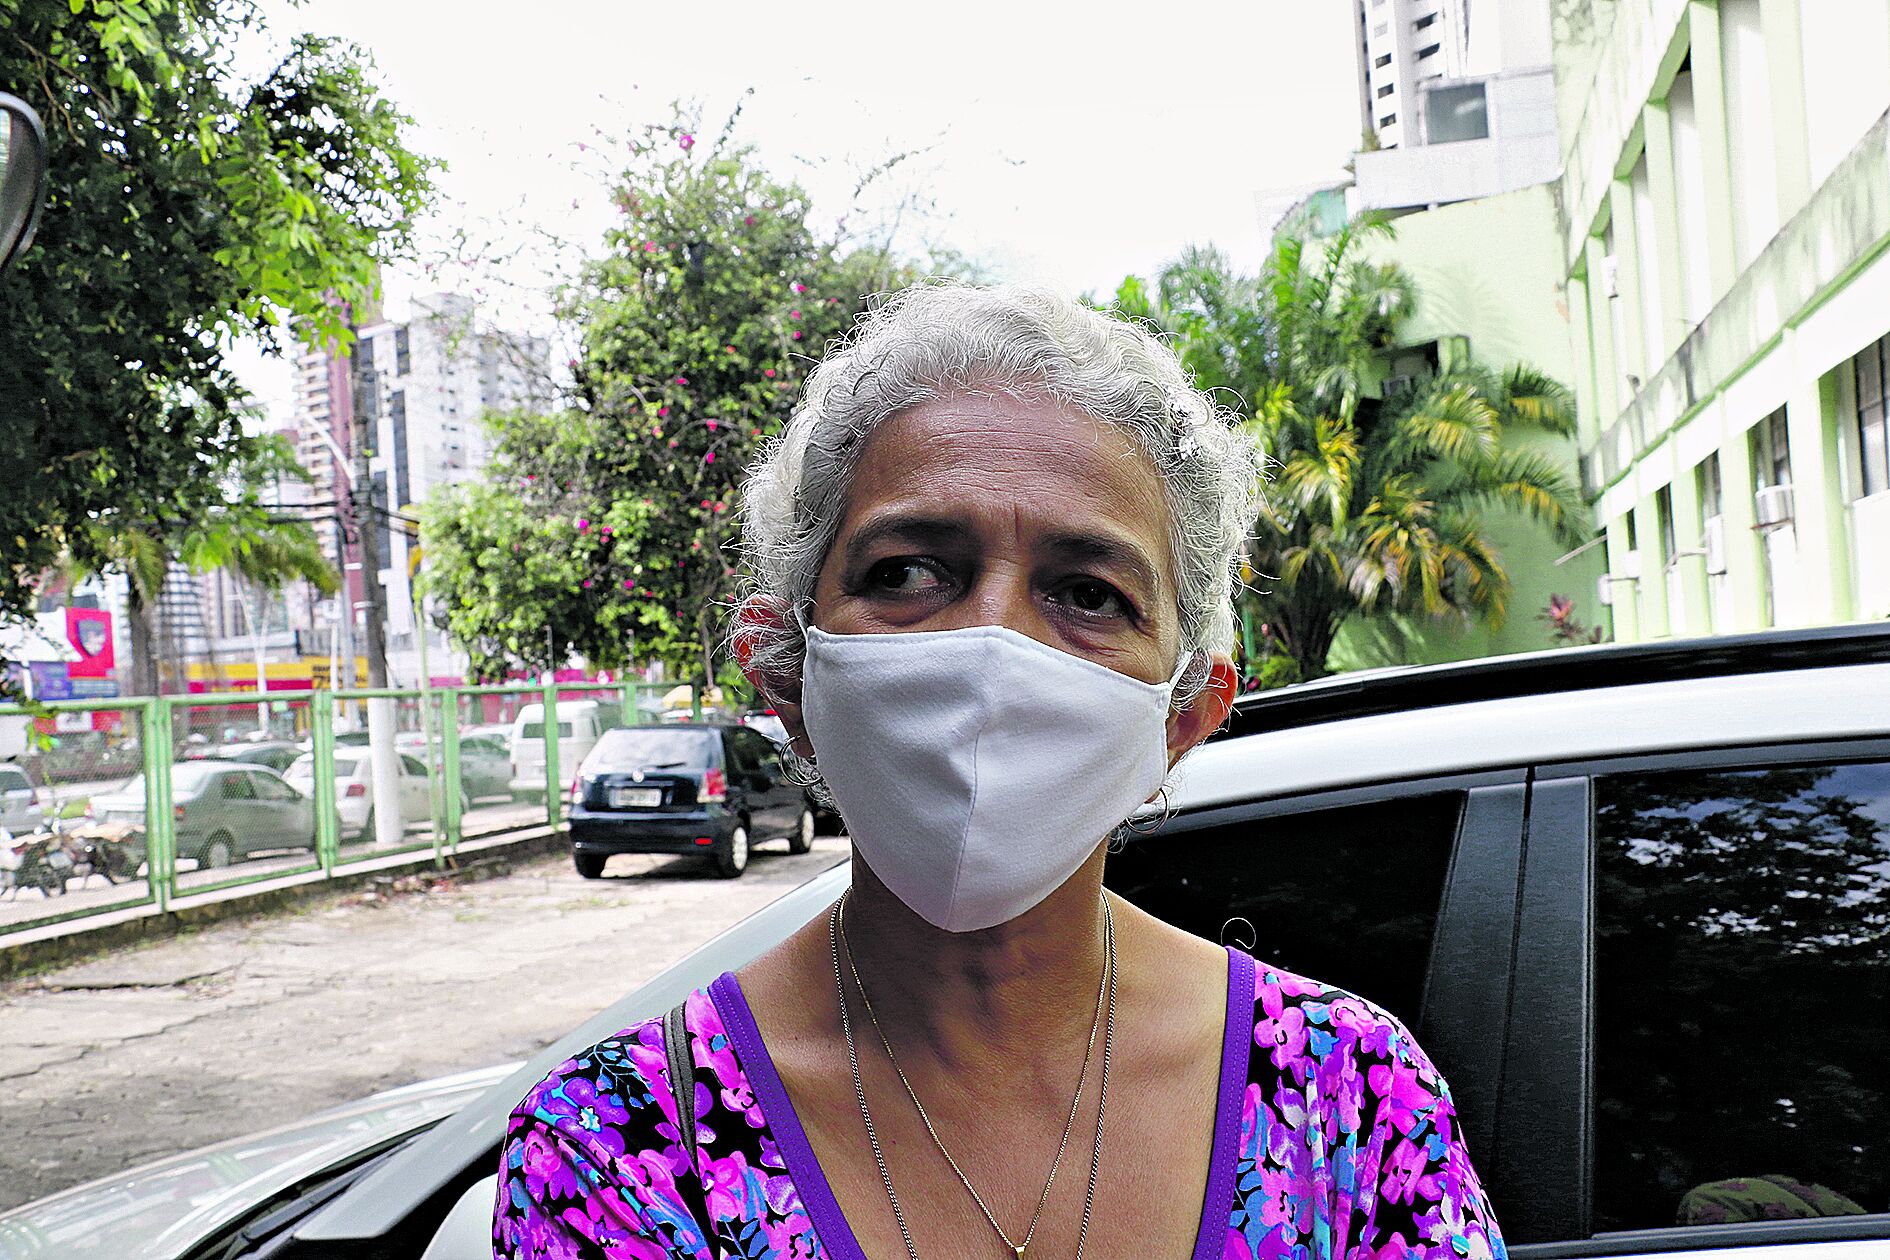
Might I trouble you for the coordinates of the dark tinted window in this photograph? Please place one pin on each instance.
(662, 748)
(12, 780)
(236, 787)
(1348, 896)
(1742, 995)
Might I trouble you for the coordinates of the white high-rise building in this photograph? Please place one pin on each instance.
(428, 383)
(1458, 98)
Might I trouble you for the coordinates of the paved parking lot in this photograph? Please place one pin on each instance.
(249, 1024)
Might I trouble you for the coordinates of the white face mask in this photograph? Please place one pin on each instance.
(977, 769)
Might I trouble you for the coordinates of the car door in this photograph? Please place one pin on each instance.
(293, 813)
(786, 799)
(483, 768)
(235, 812)
(1699, 1055)
(1403, 893)
(415, 799)
(766, 811)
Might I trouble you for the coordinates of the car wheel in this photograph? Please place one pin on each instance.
(215, 853)
(802, 838)
(731, 854)
(589, 865)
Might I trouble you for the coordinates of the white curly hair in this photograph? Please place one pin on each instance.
(937, 340)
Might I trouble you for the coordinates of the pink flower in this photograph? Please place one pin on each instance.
(797, 334)
(629, 585)
(769, 373)
(798, 287)
(682, 380)
(749, 219)
(730, 349)
(604, 529)
(587, 584)
(793, 314)
(583, 524)
(709, 458)
(705, 503)
(672, 442)
(687, 142)
(721, 506)
(711, 424)
(572, 365)
(662, 411)
(649, 247)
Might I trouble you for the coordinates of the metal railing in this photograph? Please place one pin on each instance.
(140, 801)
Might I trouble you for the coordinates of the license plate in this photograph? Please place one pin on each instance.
(635, 798)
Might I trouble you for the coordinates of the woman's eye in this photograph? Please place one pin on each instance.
(903, 576)
(1091, 596)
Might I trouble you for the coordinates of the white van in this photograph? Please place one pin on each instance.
(580, 722)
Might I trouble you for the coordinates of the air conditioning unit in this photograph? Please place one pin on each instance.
(1713, 542)
(1773, 506)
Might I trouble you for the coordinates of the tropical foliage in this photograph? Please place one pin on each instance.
(191, 201)
(605, 529)
(1378, 504)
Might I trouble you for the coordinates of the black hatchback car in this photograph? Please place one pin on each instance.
(711, 788)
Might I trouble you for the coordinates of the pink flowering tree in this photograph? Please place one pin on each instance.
(711, 300)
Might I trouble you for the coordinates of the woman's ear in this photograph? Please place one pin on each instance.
(760, 621)
(1204, 715)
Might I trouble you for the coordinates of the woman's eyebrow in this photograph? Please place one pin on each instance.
(918, 531)
(1104, 549)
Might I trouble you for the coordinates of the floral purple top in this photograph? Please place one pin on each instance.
(1335, 1139)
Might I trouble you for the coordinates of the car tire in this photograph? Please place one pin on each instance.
(731, 853)
(590, 865)
(801, 839)
(217, 851)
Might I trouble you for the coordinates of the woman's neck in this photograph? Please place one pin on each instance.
(968, 998)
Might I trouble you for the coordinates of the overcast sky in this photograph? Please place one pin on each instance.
(1063, 144)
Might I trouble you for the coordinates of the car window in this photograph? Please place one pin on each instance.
(235, 786)
(652, 748)
(12, 780)
(1347, 895)
(1742, 995)
(536, 730)
(478, 747)
(269, 788)
(741, 753)
(411, 765)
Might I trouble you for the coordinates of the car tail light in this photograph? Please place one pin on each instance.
(577, 791)
(178, 813)
(356, 789)
(714, 786)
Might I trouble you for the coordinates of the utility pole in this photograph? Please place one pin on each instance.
(364, 393)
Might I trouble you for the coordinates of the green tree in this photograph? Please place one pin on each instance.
(712, 299)
(241, 534)
(190, 203)
(1377, 506)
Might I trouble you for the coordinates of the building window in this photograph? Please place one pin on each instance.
(1663, 517)
(1382, 29)
(403, 355)
(1870, 372)
(1387, 90)
(1458, 112)
(1429, 51)
(1713, 541)
(1429, 19)
(1773, 450)
(1388, 120)
(1382, 62)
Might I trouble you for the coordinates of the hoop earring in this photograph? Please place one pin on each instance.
(1155, 821)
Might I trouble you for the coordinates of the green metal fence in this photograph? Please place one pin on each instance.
(152, 799)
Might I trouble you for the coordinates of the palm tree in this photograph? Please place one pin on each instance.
(1377, 505)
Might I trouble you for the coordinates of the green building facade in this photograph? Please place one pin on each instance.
(1724, 224)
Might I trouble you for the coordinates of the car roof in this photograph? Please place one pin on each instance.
(1400, 689)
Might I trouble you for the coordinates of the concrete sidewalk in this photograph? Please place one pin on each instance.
(35, 948)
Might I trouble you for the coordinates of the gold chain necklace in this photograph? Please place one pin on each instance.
(1105, 999)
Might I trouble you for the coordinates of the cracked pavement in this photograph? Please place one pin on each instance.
(248, 1024)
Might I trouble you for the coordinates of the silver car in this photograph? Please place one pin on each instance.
(224, 810)
(19, 803)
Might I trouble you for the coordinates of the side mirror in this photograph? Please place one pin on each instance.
(22, 175)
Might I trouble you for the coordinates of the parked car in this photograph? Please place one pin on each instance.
(498, 732)
(485, 769)
(277, 754)
(827, 822)
(20, 811)
(224, 810)
(580, 723)
(354, 788)
(1631, 899)
(713, 788)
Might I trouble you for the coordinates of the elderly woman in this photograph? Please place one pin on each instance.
(994, 555)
